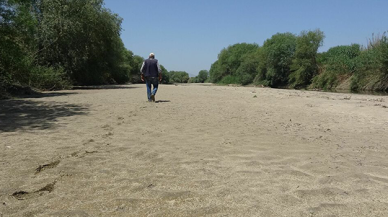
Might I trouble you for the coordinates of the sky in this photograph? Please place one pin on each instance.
(188, 35)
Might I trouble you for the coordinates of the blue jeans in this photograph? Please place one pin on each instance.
(155, 82)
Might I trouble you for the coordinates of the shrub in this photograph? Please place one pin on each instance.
(193, 80)
(48, 78)
(179, 77)
(371, 72)
(229, 79)
(337, 64)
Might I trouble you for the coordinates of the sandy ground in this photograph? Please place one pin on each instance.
(198, 151)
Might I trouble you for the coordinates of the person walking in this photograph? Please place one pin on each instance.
(151, 73)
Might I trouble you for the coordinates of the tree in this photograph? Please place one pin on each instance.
(304, 65)
(229, 60)
(247, 70)
(202, 76)
(16, 44)
(135, 71)
(193, 79)
(83, 37)
(165, 75)
(215, 72)
(179, 77)
(275, 59)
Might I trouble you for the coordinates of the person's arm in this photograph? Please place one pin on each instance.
(141, 71)
(160, 71)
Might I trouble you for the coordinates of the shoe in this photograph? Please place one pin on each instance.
(153, 98)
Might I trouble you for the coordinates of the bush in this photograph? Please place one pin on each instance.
(48, 78)
(371, 72)
(193, 80)
(326, 80)
(229, 79)
(337, 64)
(179, 77)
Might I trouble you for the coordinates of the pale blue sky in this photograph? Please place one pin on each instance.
(187, 35)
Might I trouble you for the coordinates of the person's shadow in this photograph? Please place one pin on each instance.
(162, 101)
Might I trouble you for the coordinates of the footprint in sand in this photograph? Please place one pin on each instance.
(79, 154)
(25, 195)
(88, 142)
(47, 166)
(107, 135)
(107, 127)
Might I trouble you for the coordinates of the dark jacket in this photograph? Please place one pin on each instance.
(150, 68)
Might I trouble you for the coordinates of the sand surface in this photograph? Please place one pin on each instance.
(201, 150)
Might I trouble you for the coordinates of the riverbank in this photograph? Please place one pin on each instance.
(200, 150)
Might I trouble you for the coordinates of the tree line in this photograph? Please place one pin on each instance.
(202, 77)
(293, 61)
(54, 44)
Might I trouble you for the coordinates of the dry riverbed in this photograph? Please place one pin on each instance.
(201, 150)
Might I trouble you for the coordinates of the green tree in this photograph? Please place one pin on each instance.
(202, 76)
(179, 77)
(193, 80)
(215, 72)
(135, 71)
(304, 65)
(275, 59)
(247, 70)
(229, 60)
(85, 42)
(165, 75)
(16, 45)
